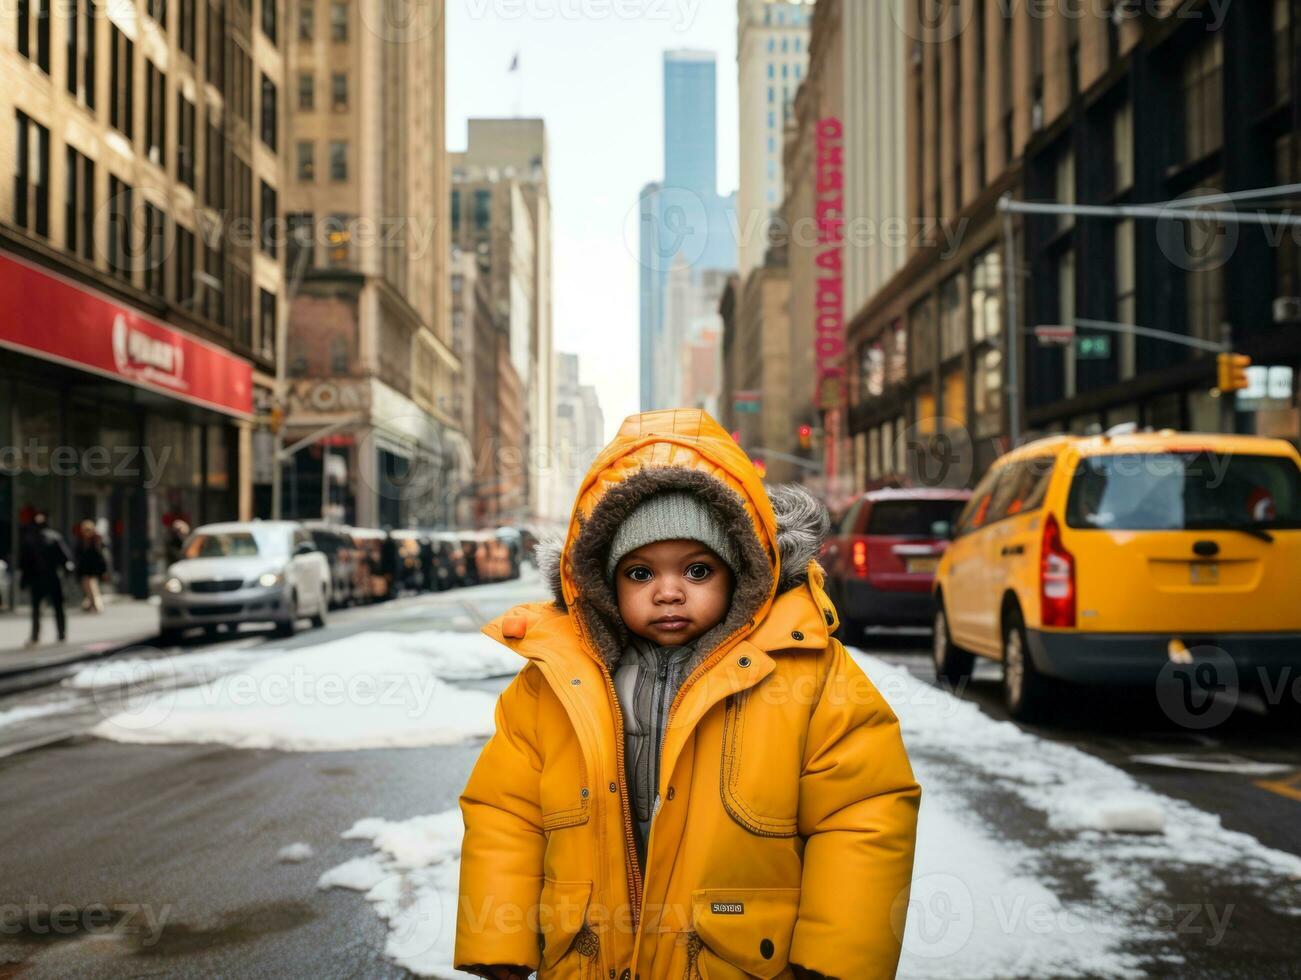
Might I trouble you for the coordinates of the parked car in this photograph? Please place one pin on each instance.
(343, 556)
(514, 544)
(370, 542)
(245, 572)
(1102, 560)
(452, 553)
(410, 574)
(881, 559)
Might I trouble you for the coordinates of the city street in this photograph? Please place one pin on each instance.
(208, 810)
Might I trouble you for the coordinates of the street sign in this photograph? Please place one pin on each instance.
(745, 407)
(746, 400)
(1094, 348)
(1060, 334)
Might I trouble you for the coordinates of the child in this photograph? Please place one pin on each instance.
(690, 777)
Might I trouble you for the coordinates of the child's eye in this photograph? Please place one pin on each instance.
(698, 571)
(639, 573)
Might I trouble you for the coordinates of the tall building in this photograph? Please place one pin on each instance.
(771, 55)
(580, 427)
(140, 206)
(683, 218)
(688, 360)
(474, 340)
(501, 212)
(1090, 109)
(366, 195)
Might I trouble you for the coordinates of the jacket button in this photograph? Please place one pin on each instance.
(614, 788)
(744, 662)
(766, 949)
(796, 635)
(575, 682)
(830, 618)
(625, 975)
(671, 793)
(583, 792)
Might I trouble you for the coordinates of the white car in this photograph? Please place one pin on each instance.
(246, 572)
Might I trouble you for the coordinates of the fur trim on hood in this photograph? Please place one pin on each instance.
(802, 524)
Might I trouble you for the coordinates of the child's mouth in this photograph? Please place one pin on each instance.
(676, 623)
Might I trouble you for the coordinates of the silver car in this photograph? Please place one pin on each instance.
(246, 572)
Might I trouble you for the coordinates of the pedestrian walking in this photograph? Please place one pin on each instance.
(43, 558)
(92, 566)
(690, 777)
(389, 565)
(174, 545)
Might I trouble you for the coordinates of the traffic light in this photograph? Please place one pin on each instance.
(1233, 372)
(806, 436)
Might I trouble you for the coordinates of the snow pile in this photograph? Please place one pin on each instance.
(295, 853)
(412, 881)
(979, 908)
(179, 670)
(451, 655)
(335, 697)
(25, 712)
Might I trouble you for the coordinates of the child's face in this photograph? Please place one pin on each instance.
(671, 592)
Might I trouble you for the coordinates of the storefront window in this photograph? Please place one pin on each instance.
(952, 329)
(897, 347)
(986, 297)
(987, 393)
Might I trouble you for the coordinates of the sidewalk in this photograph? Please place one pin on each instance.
(123, 621)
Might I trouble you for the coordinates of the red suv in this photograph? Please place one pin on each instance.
(882, 557)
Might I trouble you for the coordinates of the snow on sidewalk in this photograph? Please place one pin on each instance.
(1075, 900)
(361, 692)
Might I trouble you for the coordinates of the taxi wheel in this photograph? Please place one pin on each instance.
(1026, 692)
(953, 665)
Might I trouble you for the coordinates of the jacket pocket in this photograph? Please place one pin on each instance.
(564, 795)
(741, 933)
(570, 947)
(760, 769)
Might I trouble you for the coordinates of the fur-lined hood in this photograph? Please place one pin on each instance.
(778, 530)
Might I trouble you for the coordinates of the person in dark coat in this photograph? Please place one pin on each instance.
(388, 560)
(92, 566)
(43, 557)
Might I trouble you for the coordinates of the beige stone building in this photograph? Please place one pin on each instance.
(366, 197)
(141, 193)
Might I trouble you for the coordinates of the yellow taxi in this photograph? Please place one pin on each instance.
(1102, 559)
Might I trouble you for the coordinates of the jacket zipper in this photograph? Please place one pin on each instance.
(661, 675)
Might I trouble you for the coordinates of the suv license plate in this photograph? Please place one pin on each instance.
(1204, 573)
(918, 566)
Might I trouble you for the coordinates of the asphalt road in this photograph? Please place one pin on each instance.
(180, 841)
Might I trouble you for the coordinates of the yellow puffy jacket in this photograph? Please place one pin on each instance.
(788, 808)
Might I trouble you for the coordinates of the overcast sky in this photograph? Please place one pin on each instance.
(593, 70)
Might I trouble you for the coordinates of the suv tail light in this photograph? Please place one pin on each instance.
(859, 554)
(1056, 578)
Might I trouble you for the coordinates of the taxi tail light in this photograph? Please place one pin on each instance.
(859, 555)
(1056, 578)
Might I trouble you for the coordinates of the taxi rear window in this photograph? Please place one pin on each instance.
(1175, 491)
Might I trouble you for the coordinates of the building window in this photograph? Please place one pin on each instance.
(213, 305)
(266, 324)
(240, 306)
(32, 176)
(1203, 109)
(1282, 50)
(338, 160)
(158, 11)
(187, 144)
(241, 92)
(155, 250)
(118, 229)
(79, 204)
(269, 96)
(338, 20)
(80, 60)
(987, 393)
(306, 20)
(184, 267)
(1122, 149)
(34, 31)
(269, 25)
(300, 244)
(268, 231)
(241, 190)
(1126, 295)
(214, 178)
(1204, 241)
(338, 239)
(306, 161)
(1064, 186)
(121, 106)
(952, 327)
(921, 327)
(155, 114)
(188, 27)
(214, 43)
(456, 219)
(482, 210)
(987, 297)
(306, 91)
(339, 91)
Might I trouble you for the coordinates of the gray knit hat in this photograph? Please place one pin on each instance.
(669, 516)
